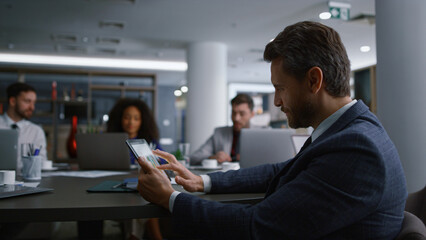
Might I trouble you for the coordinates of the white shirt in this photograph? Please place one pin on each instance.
(28, 133)
(324, 125)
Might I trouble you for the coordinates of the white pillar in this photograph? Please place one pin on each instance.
(401, 82)
(207, 95)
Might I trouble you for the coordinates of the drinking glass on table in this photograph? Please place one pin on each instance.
(184, 150)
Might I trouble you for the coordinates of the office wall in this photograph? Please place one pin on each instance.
(401, 83)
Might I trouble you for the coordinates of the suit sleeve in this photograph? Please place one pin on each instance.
(337, 188)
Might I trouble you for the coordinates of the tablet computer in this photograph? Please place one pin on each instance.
(140, 148)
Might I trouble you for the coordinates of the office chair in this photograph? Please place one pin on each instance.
(416, 204)
(412, 228)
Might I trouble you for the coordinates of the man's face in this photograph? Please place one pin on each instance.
(291, 95)
(24, 104)
(241, 115)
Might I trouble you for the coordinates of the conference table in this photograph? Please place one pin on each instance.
(70, 201)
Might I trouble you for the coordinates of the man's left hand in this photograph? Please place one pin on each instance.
(153, 184)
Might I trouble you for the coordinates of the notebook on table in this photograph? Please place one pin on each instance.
(18, 190)
(8, 149)
(261, 146)
(102, 151)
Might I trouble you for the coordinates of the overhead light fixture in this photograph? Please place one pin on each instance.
(325, 15)
(365, 48)
(184, 89)
(93, 62)
(178, 93)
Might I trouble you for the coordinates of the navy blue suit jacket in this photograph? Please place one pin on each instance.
(347, 184)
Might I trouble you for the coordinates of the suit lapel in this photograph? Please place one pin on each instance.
(277, 177)
(288, 172)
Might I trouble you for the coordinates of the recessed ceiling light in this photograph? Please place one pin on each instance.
(178, 93)
(325, 15)
(94, 62)
(365, 48)
(184, 89)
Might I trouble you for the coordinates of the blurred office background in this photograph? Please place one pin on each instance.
(206, 52)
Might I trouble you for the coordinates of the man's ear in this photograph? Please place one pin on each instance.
(12, 101)
(315, 79)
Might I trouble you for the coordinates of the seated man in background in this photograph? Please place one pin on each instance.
(223, 144)
(346, 182)
(21, 104)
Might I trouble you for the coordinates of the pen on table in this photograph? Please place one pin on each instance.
(118, 185)
(37, 151)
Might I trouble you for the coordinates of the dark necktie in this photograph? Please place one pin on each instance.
(14, 126)
(274, 183)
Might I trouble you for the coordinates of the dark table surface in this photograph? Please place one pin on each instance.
(69, 201)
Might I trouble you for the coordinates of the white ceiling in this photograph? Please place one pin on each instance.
(161, 29)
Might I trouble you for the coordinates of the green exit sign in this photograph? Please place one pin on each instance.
(339, 13)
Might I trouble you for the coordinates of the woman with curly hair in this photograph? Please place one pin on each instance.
(134, 117)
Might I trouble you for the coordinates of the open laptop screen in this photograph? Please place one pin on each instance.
(298, 141)
(8, 149)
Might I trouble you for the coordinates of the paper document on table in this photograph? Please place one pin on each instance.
(83, 174)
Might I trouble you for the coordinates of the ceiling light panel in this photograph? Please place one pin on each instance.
(106, 50)
(179, 66)
(117, 25)
(108, 40)
(64, 38)
(70, 48)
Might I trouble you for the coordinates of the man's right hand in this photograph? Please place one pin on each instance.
(221, 157)
(189, 181)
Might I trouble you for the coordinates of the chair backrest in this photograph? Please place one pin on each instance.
(412, 228)
(416, 204)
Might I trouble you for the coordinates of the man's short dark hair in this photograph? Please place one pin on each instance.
(243, 98)
(15, 89)
(310, 44)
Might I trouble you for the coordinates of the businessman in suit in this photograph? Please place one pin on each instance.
(345, 183)
(223, 144)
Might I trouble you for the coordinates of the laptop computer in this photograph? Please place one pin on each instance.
(18, 190)
(8, 149)
(261, 146)
(102, 151)
(298, 141)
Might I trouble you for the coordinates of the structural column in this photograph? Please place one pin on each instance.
(401, 82)
(207, 95)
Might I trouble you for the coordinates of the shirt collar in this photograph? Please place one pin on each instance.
(324, 125)
(9, 121)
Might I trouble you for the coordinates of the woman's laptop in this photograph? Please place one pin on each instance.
(102, 151)
(8, 149)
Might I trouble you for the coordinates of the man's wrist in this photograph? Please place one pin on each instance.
(166, 203)
(172, 200)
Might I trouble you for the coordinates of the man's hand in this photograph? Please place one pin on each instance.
(221, 157)
(184, 177)
(153, 184)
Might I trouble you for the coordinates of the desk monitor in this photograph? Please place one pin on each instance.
(102, 151)
(8, 149)
(260, 146)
